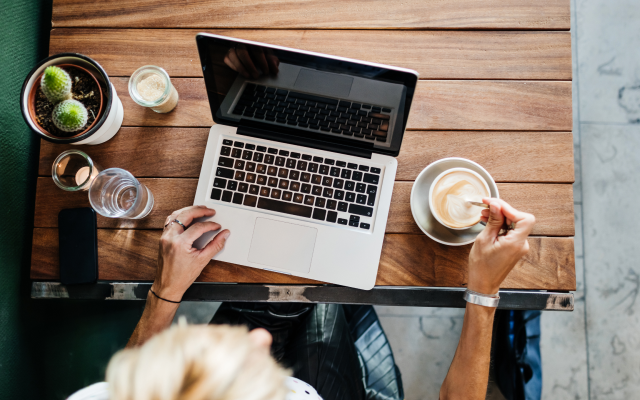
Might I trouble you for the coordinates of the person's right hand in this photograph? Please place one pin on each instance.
(247, 59)
(179, 263)
(493, 257)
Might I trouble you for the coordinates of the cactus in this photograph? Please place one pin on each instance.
(56, 84)
(70, 115)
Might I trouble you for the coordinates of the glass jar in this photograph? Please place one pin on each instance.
(73, 170)
(150, 86)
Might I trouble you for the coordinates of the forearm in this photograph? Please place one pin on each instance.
(469, 372)
(156, 317)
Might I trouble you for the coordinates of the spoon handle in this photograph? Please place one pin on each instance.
(475, 203)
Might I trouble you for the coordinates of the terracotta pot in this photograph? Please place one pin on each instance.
(111, 113)
(32, 101)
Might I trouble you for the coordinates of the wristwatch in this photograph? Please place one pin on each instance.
(486, 300)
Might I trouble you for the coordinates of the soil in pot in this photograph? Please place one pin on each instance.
(84, 89)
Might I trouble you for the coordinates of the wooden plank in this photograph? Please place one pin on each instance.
(407, 260)
(502, 14)
(551, 204)
(434, 54)
(178, 152)
(438, 105)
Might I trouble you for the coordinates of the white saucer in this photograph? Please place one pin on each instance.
(420, 202)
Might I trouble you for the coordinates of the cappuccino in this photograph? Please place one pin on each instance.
(449, 196)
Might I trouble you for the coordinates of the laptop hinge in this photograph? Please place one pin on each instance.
(248, 129)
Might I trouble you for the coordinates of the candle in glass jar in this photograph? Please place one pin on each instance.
(83, 174)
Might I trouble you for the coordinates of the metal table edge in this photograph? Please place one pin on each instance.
(408, 296)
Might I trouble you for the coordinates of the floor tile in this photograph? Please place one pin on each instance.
(611, 188)
(609, 63)
(424, 341)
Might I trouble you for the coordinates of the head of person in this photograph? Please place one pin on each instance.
(199, 362)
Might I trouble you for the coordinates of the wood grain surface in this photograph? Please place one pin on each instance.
(438, 105)
(434, 54)
(131, 254)
(534, 157)
(551, 204)
(287, 14)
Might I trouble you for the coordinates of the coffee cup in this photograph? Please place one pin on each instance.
(449, 195)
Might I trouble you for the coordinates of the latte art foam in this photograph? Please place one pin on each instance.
(451, 195)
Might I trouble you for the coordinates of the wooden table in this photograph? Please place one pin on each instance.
(495, 87)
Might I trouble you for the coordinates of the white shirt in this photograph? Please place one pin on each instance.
(298, 390)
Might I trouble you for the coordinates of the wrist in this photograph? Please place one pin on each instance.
(166, 292)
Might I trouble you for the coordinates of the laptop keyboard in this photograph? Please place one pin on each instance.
(311, 112)
(298, 184)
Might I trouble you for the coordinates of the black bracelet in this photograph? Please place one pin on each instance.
(169, 301)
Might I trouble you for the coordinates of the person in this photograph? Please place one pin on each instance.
(225, 362)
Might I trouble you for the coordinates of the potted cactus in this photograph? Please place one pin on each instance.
(68, 98)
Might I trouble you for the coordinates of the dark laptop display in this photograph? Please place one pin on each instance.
(306, 98)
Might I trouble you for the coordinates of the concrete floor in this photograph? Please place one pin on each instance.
(599, 358)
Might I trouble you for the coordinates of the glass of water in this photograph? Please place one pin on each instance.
(115, 193)
(73, 170)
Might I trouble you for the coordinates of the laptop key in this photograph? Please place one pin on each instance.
(371, 200)
(342, 221)
(350, 197)
(308, 200)
(302, 165)
(224, 172)
(265, 191)
(349, 185)
(250, 167)
(313, 167)
(375, 170)
(272, 171)
(316, 179)
(294, 175)
(280, 161)
(284, 184)
(262, 180)
(306, 188)
(346, 174)
(338, 194)
(361, 199)
(254, 189)
(239, 175)
(261, 169)
(331, 204)
(320, 202)
(284, 207)
(364, 225)
(272, 150)
(232, 185)
(371, 189)
(291, 163)
(337, 183)
(317, 190)
(225, 162)
(295, 186)
(283, 173)
(370, 178)
(258, 157)
(298, 198)
(332, 216)
(273, 182)
(342, 206)
(294, 155)
(275, 194)
(239, 164)
(250, 201)
(357, 176)
(227, 142)
(305, 177)
(243, 187)
(287, 196)
(236, 153)
(335, 171)
(238, 144)
(227, 195)
(329, 161)
(225, 151)
(262, 148)
(360, 210)
(361, 187)
(319, 214)
(215, 194)
(237, 198)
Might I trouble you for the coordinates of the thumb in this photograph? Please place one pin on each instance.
(495, 221)
(216, 245)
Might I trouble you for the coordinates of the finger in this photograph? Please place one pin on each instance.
(175, 214)
(198, 229)
(187, 215)
(216, 245)
(484, 219)
(523, 221)
(247, 62)
(237, 64)
(485, 212)
(227, 61)
(258, 55)
(495, 220)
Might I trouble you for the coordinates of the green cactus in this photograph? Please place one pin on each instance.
(70, 115)
(56, 84)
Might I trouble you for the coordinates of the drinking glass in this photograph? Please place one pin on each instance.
(73, 170)
(150, 86)
(115, 193)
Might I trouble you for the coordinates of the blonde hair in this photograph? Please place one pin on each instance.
(196, 362)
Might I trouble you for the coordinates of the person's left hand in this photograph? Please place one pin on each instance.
(179, 263)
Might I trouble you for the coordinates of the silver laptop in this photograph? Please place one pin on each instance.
(300, 164)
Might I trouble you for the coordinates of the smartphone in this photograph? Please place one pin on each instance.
(78, 243)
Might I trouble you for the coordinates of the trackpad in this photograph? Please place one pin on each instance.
(282, 245)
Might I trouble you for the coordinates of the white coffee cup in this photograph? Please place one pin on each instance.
(436, 209)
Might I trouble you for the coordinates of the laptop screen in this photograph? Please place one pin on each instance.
(305, 94)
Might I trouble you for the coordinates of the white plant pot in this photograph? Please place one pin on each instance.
(110, 120)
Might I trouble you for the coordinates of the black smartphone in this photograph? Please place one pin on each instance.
(78, 242)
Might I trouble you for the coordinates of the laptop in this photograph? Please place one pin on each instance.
(300, 162)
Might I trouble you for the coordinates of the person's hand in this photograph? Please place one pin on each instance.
(246, 59)
(179, 263)
(493, 257)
